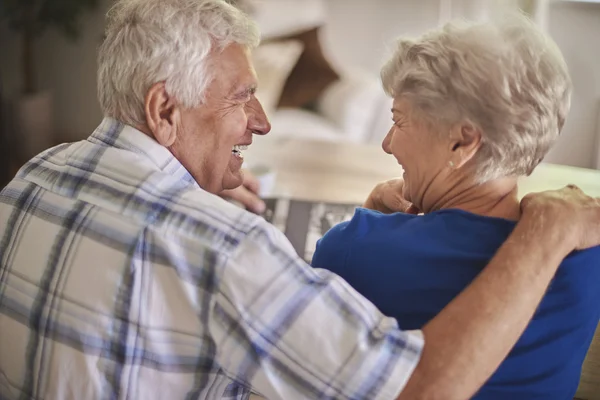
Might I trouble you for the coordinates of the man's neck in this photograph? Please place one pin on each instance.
(496, 198)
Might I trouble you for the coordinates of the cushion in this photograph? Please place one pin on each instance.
(273, 63)
(355, 104)
(311, 75)
(303, 124)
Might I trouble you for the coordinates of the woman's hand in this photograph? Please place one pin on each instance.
(387, 198)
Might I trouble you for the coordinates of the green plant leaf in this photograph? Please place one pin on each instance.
(39, 15)
(31, 18)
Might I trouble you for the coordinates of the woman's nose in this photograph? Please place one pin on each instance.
(258, 122)
(385, 145)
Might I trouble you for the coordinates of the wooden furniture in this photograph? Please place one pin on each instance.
(345, 172)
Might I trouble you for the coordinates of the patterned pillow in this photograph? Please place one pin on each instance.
(299, 20)
(311, 76)
(273, 62)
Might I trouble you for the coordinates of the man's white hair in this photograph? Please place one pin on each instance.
(505, 77)
(151, 41)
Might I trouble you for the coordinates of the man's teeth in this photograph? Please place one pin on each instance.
(237, 151)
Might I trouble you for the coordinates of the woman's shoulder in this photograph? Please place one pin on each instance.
(366, 222)
(445, 230)
(363, 219)
(366, 219)
(336, 244)
(584, 258)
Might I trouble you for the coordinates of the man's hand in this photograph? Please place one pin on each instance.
(247, 194)
(387, 198)
(573, 214)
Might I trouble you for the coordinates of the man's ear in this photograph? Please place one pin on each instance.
(465, 141)
(162, 114)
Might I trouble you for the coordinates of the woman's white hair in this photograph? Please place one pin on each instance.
(150, 41)
(505, 77)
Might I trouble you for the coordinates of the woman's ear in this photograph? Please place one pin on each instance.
(465, 141)
(162, 114)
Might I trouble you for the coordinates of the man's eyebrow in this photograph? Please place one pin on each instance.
(244, 92)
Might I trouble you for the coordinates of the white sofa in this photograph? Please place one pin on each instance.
(353, 109)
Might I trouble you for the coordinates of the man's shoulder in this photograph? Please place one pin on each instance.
(196, 212)
(123, 184)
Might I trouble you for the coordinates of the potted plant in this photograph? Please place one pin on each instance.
(5, 156)
(30, 19)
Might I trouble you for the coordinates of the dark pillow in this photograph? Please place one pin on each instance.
(311, 75)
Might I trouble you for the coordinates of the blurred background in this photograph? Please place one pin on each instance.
(318, 67)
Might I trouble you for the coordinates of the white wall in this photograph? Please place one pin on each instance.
(575, 26)
(359, 33)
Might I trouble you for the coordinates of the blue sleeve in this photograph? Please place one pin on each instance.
(582, 271)
(333, 248)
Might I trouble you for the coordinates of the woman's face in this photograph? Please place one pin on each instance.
(423, 154)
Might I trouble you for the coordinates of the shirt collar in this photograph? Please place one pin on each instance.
(121, 136)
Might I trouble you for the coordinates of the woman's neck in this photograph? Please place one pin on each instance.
(495, 198)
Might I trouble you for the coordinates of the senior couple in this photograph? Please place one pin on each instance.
(124, 273)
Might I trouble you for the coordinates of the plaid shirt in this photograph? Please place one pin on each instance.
(121, 278)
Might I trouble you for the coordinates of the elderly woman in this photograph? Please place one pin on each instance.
(475, 107)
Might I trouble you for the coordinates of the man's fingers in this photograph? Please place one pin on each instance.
(247, 198)
(250, 182)
(571, 207)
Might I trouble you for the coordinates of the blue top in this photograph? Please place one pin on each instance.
(411, 267)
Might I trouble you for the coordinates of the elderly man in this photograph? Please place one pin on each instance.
(124, 275)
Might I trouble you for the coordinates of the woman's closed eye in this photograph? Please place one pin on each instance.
(397, 123)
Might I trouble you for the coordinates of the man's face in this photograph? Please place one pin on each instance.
(208, 135)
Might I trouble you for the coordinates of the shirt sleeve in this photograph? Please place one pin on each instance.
(332, 250)
(290, 331)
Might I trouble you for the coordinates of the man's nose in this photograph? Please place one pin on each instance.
(258, 122)
(385, 145)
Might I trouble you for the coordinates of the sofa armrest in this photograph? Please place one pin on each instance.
(589, 384)
(356, 104)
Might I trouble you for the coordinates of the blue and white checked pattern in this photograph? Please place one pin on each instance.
(121, 278)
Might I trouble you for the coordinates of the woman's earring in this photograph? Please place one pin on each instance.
(451, 164)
